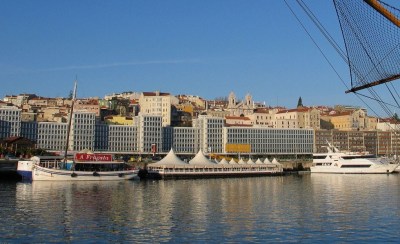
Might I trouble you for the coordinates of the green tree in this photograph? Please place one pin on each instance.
(396, 117)
(71, 94)
(300, 102)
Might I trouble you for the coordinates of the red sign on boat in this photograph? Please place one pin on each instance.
(93, 157)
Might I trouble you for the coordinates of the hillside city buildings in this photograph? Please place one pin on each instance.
(151, 123)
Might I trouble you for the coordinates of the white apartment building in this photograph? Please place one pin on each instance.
(148, 136)
(10, 121)
(149, 128)
(29, 130)
(101, 136)
(156, 103)
(263, 117)
(298, 118)
(51, 135)
(287, 119)
(210, 133)
(122, 138)
(388, 125)
(269, 140)
(82, 131)
(186, 140)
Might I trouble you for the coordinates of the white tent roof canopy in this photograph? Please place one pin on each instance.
(274, 161)
(266, 161)
(232, 161)
(241, 161)
(200, 159)
(170, 159)
(250, 161)
(223, 161)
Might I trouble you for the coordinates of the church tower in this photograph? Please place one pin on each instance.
(248, 99)
(232, 99)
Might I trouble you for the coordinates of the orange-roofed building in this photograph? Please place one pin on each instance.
(237, 121)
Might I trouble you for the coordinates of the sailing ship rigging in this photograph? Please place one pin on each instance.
(370, 31)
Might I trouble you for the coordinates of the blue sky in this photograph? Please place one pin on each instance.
(205, 48)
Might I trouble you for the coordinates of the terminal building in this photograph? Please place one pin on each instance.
(148, 135)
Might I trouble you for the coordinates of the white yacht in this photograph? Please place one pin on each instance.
(337, 162)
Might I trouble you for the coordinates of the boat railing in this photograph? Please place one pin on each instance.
(217, 168)
(52, 164)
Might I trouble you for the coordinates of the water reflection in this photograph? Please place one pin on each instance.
(294, 208)
(361, 205)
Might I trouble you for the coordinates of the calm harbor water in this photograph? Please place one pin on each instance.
(295, 208)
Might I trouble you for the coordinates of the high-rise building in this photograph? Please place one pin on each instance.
(10, 121)
(156, 103)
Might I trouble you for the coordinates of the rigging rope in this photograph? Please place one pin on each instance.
(325, 57)
(372, 42)
(359, 68)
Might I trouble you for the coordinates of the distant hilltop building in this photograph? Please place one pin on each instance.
(301, 117)
(347, 119)
(124, 95)
(18, 100)
(182, 109)
(245, 107)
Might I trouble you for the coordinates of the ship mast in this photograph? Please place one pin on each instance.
(383, 11)
(70, 121)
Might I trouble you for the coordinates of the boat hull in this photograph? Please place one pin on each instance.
(24, 169)
(374, 169)
(45, 174)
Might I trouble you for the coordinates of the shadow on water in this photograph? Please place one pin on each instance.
(8, 171)
(11, 176)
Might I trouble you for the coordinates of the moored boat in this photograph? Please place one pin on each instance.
(90, 169)
(86, 166)
(337, 162)
(24, 167)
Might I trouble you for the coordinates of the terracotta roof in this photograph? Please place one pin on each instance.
(237, 118)
(342, 114)
(238, 125)
(389, 120)
(12, 139)
(41, 98)
(261, 110)
(303, 109)
(148, 94)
